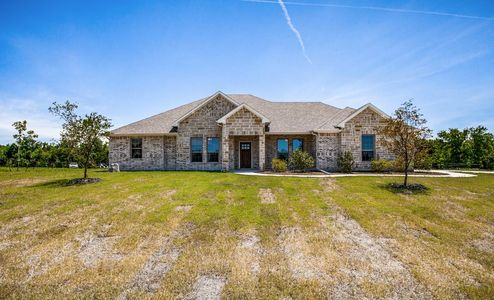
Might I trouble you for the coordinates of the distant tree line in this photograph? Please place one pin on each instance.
(468, 148)
(82, 140)
(42, 154)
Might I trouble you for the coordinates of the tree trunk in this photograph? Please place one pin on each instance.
(406, 170)
(85, 171)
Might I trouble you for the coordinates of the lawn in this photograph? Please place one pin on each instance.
(196, 234)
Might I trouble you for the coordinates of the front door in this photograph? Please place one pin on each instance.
(245, 155)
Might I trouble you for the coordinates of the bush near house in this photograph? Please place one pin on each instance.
(382, 165)
(346, 162)
(300, 161)
(279, 165)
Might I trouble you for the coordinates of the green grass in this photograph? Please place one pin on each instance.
(442, 236)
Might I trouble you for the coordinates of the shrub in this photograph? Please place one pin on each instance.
(424, 163)
(381, 165)
(346, 162)
(300, 161)
(279, 165)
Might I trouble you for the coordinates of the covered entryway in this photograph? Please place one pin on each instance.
(245, 155)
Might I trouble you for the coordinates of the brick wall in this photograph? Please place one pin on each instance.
(271, 143)
(170, 152)
(201, 123)
(327, 151)
(365, 123)
(152, 153)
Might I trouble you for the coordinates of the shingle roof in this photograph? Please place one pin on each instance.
(285, 117)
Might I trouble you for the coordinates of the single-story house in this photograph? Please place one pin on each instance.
(233, 131)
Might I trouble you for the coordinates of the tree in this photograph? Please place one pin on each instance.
(81, 134)
(482, 145)
(25, 139)
(405, 135)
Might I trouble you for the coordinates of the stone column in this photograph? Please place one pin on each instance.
(225, 149)
(262, 151)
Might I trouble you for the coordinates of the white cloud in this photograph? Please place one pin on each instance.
(34, 111)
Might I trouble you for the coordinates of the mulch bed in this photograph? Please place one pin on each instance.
(409, 188)
(80, 181)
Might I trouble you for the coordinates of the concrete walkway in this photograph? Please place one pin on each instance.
(474, 171)
(444, 174)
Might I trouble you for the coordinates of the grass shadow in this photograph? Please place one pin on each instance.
(67, 182)
(410, 189)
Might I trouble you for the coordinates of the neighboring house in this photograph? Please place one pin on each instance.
(227, 132)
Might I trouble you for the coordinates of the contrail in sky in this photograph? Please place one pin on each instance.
(379, 8)
(292, 28)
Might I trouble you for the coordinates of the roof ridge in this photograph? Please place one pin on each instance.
(342, 110)
(158, 114)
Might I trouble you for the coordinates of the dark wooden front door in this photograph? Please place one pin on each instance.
(245, 155)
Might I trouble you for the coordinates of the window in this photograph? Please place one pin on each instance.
(283, 149)
(368, 145)
(297, 144)
(196, 149)
(213, 149)
(136, 148)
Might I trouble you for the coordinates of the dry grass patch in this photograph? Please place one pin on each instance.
(207, 287)
(266, 196)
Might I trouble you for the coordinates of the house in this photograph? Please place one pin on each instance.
(227, 132)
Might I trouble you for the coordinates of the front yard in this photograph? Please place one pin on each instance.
(194, 234)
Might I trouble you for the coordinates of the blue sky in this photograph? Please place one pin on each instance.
(132, 59)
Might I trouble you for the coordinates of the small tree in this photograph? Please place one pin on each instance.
(405, 135)
(81, 134)
(25, 140)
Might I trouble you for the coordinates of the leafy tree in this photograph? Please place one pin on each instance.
(405, 135)
(26, 141)
(81, 134)
(482, 145)
(453, 142)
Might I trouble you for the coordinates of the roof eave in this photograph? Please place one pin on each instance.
(263, 118)
(358, 111)
(202, 104)
(141, 134)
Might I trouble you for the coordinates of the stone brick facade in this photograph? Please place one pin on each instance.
(272, 148)
(327, 151)
(152, 153)
(172, 151)
(367, 122)
(202, 123)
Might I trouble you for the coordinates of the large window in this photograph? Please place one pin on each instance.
(368, 146)
(136, 148)
(297, 144)
(196, 149)
(282, 149)
(213, 149)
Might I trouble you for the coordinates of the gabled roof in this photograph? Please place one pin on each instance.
(283, 117)
(361, 109)
(218, 93)
(223, 119)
